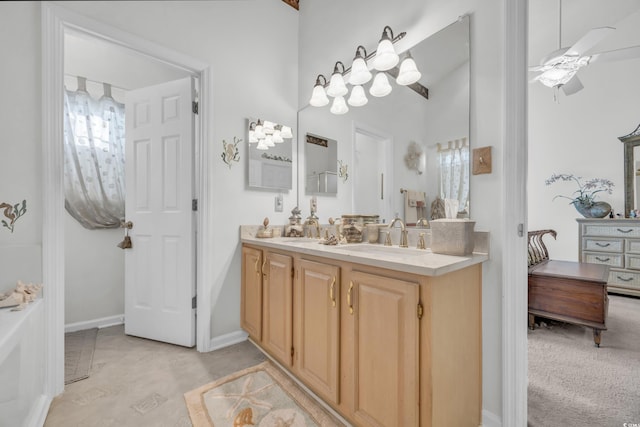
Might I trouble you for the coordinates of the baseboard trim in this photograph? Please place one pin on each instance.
(103, 322)
(489, 419)
(38, 413)
(226, 340)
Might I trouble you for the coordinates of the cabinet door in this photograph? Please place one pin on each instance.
(277, 306)
(251, 290)
(385, 346)
(317, 327)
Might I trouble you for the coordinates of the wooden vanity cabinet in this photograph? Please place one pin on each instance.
(251, 292)
(383, 349)
(316, 327)
(266, 312)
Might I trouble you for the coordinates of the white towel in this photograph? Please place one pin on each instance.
(451, 208)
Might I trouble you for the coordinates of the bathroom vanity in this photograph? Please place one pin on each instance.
(386, 336)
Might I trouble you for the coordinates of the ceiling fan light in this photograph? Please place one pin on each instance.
(339, 105)
(380, 86)
(286, 131)
(357, 97)
(408, 73)
(556, 76)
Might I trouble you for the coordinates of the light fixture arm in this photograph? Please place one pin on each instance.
(318, 82)
(336, 70)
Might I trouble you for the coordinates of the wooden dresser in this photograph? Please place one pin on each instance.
(616, 243)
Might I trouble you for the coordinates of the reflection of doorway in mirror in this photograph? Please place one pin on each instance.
(372, 174)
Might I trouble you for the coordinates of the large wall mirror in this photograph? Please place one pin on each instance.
(631, 170)
(321, 165)
(270, 155)
(403, 141)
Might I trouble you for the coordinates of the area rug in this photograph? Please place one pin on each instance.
(78, 354)
(574, 383)
(261, 395)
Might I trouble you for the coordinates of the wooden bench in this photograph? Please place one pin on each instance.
(572, 292)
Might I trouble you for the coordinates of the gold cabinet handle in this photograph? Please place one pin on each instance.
(349, 297)
(332, 293)
(256, 266)
(263, 263)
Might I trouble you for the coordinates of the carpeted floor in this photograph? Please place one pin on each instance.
(573, 383)
(138, 382)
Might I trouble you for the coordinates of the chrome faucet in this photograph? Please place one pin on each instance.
(403, 232)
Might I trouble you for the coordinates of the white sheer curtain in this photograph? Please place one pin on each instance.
(94, 158)
(453, 164)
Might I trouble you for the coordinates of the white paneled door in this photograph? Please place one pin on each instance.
(160, 265)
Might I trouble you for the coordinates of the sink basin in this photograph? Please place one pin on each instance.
(393, 251)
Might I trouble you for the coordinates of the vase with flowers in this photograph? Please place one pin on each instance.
(583, 199)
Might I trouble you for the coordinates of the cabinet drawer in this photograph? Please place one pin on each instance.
(627, 279)
(612, 259)
(604, 245)
(613, 230)
(632, 261)
(632, 246)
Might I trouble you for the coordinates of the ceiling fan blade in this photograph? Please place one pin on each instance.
(616, 55)
(589, 40)
(572, 86)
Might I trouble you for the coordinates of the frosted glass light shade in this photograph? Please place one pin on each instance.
(409, 73)
(357, 97)
(252, 136)
(268, 127)
(380, 86)
(262, 145)
(268, 140)
(360, 73)
(339, 106)
(319, 96)
(386, 57)
(337, 86)
(277, 136)
(286, 131)
(259, 133)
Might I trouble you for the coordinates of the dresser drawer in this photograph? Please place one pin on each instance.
(613, 230)
(603, 245)
(625, 279)
(632, 246)
(611, 259)
(632, 261)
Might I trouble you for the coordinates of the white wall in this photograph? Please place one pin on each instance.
(420, 18)
(579, 133)
(232, 36)
(94, 265)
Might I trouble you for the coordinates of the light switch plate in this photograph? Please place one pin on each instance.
(278, 203)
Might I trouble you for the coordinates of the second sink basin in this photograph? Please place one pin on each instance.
(394, 251)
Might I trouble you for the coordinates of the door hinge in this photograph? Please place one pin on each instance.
(420, 311)
(194, 302)
(194, 107)
(194, 204)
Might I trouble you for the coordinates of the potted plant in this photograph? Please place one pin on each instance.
(584, 197)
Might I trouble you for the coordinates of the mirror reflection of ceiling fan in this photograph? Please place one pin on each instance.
(559, 68)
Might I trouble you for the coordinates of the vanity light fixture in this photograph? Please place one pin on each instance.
(286, 132)
(268, 141)
(319, 96)
(259, 131)
(267, 134)
(380, 86)
(384, 60)
(262, 145)
(357, 97)
(268, 127)
(339, 105)
(360, 73)
(408, 73)
(336, 84)
(277, 135)
(386, 57)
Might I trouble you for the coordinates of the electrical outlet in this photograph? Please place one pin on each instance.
(278, 203)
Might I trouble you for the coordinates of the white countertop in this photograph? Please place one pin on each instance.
(411, 260)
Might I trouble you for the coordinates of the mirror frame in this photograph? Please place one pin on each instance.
(630, 141)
